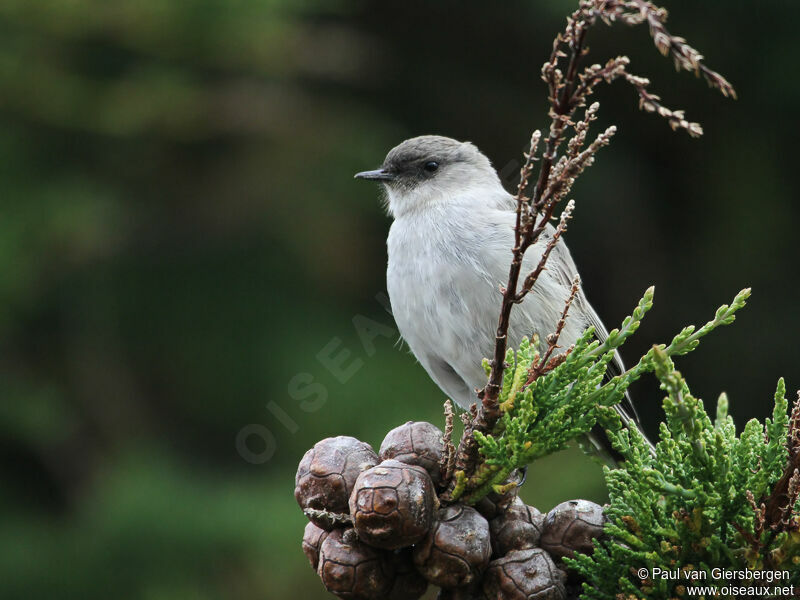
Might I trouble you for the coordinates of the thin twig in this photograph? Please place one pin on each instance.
(521, 199)
(527, 285)
(652, 103)
(538, 368)
(683, 54)
(561, 111)
(326, 515)
(447, 463)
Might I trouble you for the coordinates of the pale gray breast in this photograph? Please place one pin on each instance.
(433, 279)
(443, 283)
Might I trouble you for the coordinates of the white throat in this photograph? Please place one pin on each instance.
(458, 188)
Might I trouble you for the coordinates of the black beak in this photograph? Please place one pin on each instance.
(377, 175)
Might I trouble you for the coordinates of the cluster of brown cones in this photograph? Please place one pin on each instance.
(377, 529)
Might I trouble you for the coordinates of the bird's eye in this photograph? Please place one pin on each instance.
(431, 166)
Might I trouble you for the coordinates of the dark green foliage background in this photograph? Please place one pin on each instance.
(180, 236)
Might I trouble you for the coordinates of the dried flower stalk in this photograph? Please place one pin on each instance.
(569, 87)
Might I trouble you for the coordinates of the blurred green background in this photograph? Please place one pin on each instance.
(182, 244)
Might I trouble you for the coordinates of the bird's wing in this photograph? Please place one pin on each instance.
(446, 377)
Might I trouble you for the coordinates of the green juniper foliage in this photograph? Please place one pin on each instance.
(542, 414)
(691, 506)
(706, 498)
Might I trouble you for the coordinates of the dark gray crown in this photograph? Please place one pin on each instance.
(426, 148)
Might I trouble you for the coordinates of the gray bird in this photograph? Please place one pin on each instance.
(449, 250)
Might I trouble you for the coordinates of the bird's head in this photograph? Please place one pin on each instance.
(429, 170)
